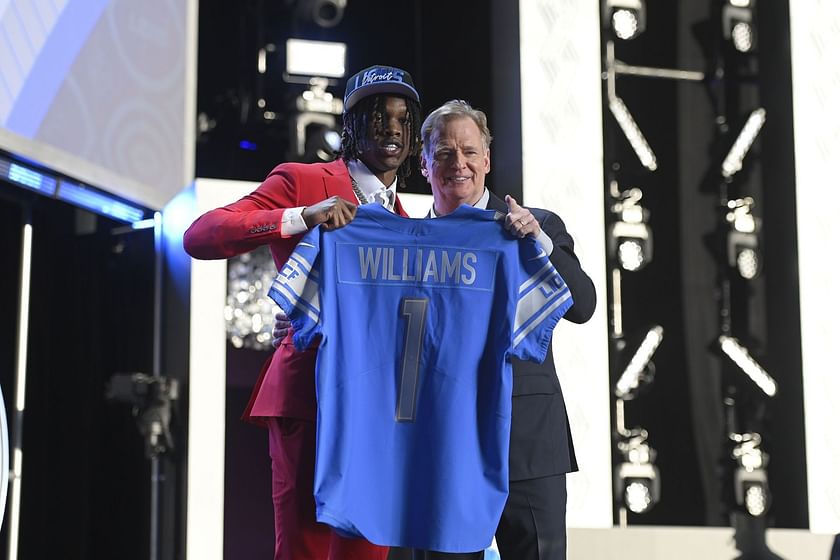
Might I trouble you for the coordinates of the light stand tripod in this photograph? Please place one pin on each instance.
(151, 398)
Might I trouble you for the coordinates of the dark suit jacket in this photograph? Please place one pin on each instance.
(540, 439)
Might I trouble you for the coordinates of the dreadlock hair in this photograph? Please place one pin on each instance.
(356, 122)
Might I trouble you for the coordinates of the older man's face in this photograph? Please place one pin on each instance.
(456, 161)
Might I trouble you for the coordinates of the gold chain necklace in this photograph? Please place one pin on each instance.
(358, 192)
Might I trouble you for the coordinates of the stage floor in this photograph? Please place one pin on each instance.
(689, 543)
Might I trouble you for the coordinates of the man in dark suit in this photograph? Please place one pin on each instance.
(455, 160)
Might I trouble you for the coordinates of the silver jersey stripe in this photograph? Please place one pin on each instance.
(530, 303)
(539, 319)
(306, 302)
(534, 278)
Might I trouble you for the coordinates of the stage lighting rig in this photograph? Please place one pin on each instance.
(314, 124)
(320, 59)
(742, 247)
(630, 236)
(639, 370)
(315, 127)
(637, 482)
(633, 133)
(626, 18)
(752, 492)
(738, 19)
(734, 160)
(151, 398)
(741, 357)
(323, 13)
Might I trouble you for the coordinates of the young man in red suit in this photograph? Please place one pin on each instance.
(381, 131)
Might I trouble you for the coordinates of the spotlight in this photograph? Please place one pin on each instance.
(631, 239)
(151, 398)
(742, 250)
(738, 24)
(639, 370)
(322, 142)
(752, 492)
(739, 355)
(637, 478)
(315, 126)
(633, 133)
(734, 160)
(322, 59)
(625, 17)
(323, 13)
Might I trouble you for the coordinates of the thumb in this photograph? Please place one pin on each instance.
(512, 204)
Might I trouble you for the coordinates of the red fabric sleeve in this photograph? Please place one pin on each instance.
(250, 222)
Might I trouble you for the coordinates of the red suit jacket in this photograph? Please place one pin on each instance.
(286, 386)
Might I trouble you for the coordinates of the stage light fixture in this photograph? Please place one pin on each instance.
(626, 18)
(636, 481)
(639, 370)
(734, 160)
(322, 142)
(323, 13)
(27, 177)
(752, 492)
(151, 398)
(742, 247)
(322, 59)
(630, 236)
(741, 357)
(738, 24)
(633, 133)
(315, 128)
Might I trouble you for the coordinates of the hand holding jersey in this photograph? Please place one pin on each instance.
(519, 220)
(332, 213)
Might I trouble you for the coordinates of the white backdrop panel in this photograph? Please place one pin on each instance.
(815, 45)
(562, 165)
(208, 373)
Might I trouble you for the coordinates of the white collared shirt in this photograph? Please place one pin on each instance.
(368, 183)
(543, 239)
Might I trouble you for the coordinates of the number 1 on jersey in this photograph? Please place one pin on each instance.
(414, 309)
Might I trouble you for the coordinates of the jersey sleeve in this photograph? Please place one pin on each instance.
(542, 299)
(296, 289)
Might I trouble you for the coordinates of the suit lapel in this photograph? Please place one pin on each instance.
(337, 181)
(496, 203)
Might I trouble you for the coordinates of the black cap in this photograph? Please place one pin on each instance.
(379, 79)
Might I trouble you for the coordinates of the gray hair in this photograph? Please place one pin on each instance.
(454, 109)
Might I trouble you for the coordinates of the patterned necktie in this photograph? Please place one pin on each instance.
(385, 198)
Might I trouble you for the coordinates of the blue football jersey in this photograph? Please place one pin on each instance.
(417, 319)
